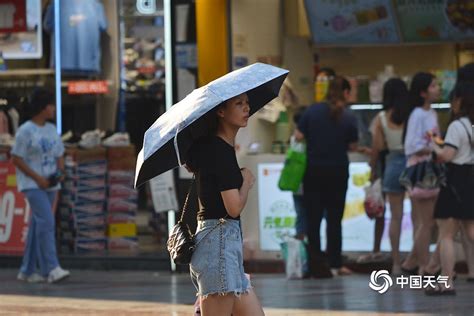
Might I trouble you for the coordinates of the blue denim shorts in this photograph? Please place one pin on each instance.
(217, 265)
(394, 166)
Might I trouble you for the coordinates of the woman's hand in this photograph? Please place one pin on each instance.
(249, 178)
(43, 183)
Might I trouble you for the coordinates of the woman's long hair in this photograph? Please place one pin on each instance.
(396, 98)
(420, 83)
(465, 91)
(202, 129)
(335, 96)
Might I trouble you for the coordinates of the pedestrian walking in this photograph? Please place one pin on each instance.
(455, 204)
(422, 122)
(38, 157)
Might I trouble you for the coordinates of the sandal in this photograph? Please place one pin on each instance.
(342, 271)
(371, 257)
(439, 291)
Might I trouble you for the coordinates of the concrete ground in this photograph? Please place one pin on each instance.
(155, 293)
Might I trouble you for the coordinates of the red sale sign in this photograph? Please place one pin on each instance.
(88, 87)
(14, 213)
(12, 16)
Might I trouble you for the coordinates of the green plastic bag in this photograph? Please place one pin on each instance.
(294, 168)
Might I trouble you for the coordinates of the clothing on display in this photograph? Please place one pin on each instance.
(81, 25)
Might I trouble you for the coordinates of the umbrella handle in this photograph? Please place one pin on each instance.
(176, 149)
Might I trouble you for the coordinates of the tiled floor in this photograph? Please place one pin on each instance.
(148, 293)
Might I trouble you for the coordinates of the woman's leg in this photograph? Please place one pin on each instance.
(396, 208)
(335, 196)
(247, 305)
(411, 261)
(423, 236)
(301, 220)
(313, 204)
(448, 228)
(217, 305)
(378, 233)
(45, 230)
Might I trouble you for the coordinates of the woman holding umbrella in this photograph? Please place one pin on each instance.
(202, 129)
(217, 263)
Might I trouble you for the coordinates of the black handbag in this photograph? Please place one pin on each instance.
(180, 242)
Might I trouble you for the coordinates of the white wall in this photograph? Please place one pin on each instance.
(256, 31)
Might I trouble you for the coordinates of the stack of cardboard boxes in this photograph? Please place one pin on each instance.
(82, 204)
(122, 200)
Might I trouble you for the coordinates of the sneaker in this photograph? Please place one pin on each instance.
(58, 274)
(35, 278)
(117, 140)
(21, 276)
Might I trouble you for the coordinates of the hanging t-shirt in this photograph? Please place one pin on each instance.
(81, 24)
(39, 147)
(459, 137)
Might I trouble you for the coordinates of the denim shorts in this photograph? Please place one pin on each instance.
(217, 265)
(394, 166)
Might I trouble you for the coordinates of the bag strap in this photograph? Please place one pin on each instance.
(185, 206)
(468, 134)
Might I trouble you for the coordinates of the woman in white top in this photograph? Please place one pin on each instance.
(422, 122)
(455, 204)
(387, 134)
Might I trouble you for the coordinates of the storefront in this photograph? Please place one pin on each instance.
(116, 66)
(398, 39)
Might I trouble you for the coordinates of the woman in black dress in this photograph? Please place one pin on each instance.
(455, 204)
(217, 263)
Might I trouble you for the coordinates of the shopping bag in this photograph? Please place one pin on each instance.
(296, 258)
(374, 203)
(294, 168)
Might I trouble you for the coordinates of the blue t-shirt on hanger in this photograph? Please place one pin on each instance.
(81, 21)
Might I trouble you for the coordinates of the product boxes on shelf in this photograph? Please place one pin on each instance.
(92, 208)
(122, 244)
(126, 177)
(87, 170)
(121, 217)
(84, 184)
(119, 153)
(90, 245)
(86, 196)
(122, 230)
(119, 205)
(85, 155)
(124, 191)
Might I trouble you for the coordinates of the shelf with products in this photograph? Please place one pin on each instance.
(141, 49)
(378, 106)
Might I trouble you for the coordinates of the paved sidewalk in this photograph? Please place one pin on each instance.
(149, 293)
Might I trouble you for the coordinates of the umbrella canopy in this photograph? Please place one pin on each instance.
(173, 133)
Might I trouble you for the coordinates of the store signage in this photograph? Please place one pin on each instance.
(88, 87)
(277, 215)
(352, 21)
(14, 213)
(146, 6)
(12, 16)
(163, 192)
(276, 210)
(435, 20)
